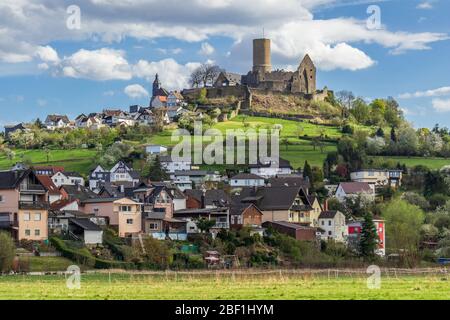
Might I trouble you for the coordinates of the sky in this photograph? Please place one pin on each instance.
(71, 57)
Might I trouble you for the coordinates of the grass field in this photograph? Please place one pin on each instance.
(79, 160)
(224, 286)
(432, 163)
(41, 264)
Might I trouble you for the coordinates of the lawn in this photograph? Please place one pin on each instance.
(218, 286)
(432, 163)
(41, 264)
(79, 160)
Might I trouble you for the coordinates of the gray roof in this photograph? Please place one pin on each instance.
(247, 176)
(328, 214)
(85, 224)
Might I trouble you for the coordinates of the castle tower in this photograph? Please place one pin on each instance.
(261, 56)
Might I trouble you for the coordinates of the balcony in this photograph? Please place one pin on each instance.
(32, 189)
(34, 205)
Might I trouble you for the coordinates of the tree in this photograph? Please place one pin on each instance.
(307, 173)
(369, 238)
(403, 223)
(47, 153)
(7, 252)
(204, 75)
(155, 171)
(393, 135)
(360, 110)
(204, 225)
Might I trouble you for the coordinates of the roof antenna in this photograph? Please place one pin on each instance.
(263, 33)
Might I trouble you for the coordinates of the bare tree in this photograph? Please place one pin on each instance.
(205, 75)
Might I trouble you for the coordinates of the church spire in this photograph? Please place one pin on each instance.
(156, 85)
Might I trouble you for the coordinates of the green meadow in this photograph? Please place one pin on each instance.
(218, 286)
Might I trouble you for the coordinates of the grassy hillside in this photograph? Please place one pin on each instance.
(79, 160)
(298, 134)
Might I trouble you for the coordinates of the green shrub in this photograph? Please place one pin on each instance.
(7, 252)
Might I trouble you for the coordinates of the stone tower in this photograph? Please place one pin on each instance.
(261, 56)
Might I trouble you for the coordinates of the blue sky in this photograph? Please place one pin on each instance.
(111, 60)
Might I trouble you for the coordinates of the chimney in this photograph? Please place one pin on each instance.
(325, 205)
(202, 201)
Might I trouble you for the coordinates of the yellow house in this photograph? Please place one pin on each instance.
(122, 213)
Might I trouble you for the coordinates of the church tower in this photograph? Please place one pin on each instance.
(156, 86)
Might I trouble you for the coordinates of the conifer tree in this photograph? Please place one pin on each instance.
(369, 238)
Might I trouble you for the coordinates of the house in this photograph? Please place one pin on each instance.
(334, 225)
(24, 200)
(55, 121)
(347, 190)
(354, 235)
(227, 79)
(175, 99)
(61, 178)
(58, 220)
(53, 191)
(86, 230)
(145, 116)
(246, 180)
(76, 192)
(289, 180)
(378, 177)
(158, 102)
(89, 123)
(199, 199)
(65, 205)
(155, 149)
(173, 165)
(270, 169)
(123, 214)
(245, 215)
(221, 216)
(159, 201)
(294, 230)
(278, 203)
(119, 174)
(175, 112)
(9, 129)
(189, 179)
(47, 170)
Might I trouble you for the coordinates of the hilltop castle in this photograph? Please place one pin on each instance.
(301, 81)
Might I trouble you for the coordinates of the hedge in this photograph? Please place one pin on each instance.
(85, 258)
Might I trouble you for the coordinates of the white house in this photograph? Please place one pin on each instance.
(158, 102)
(120, 173)
(155, 149)
(54, 121)
(354, 189)
(378, 177)
(171, 166)
(334, 225)
(67, 178)
(271, 168)
(246, 180)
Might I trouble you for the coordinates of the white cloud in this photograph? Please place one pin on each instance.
(47, 54)
(427, 5)
(172, 74)
(428, 93)
(136, 91)
(102, 64)
(25, 26)
(206, 49)
(441, 105)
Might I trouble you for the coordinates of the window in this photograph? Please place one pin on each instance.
(323, 222)
(37, 217)
(129, 221)
(95, 210)
(26, 216)
(125, 208)
(27, 232)
(1, 198)
(153, 226)
(37, 232)
(329, 222)
(329, 233)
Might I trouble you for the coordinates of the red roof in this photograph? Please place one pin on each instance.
(57, 205)
(48, 183)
